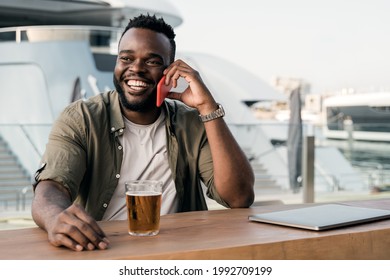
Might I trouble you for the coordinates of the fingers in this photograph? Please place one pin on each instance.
(76, 230)
(196, 95)
(88, 220)
(179, 69)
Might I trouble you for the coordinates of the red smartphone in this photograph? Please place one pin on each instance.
(162, 91)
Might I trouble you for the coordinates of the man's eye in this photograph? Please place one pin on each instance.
(154, 62)
(124, 58)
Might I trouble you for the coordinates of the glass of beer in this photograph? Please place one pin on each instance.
(143, 200)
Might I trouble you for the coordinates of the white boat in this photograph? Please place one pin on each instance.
(364, 116)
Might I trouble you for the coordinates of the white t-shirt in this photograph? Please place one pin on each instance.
(144, 157)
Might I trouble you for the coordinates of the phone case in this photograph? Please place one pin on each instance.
(162, 91)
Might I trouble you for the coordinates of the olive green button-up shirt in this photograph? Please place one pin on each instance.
(84, 154)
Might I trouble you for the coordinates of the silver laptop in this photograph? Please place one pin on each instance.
(322, 217)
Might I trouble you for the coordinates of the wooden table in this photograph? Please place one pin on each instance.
(217, 234)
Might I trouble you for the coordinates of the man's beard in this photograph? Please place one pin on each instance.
(141, 106)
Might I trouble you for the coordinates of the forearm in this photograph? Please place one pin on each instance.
(50, 199)
(233, 174)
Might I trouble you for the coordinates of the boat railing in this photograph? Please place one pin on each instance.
(101, 39)
(375, 175)
(15, 198)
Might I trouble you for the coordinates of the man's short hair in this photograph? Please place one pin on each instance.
(155, 24)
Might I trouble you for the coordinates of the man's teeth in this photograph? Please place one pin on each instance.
(138, 84)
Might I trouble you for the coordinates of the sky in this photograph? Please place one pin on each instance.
(331, 44)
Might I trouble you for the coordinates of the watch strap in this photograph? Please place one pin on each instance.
(219, 113)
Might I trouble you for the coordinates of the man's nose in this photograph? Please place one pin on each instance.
(138, 65)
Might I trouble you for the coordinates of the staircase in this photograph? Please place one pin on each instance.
(263, 180)
(15, 183)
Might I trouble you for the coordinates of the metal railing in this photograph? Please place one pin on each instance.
(372, 172)
(18, 199)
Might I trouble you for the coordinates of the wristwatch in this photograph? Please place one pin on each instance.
(219, 113)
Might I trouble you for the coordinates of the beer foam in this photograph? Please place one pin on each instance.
(141, 193)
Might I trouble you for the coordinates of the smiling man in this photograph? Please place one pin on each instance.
(98, 144)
